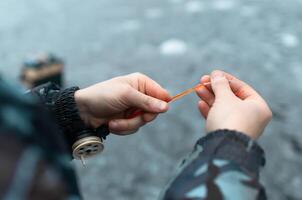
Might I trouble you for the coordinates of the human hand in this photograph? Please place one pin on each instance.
(229, 103)
(115, 100)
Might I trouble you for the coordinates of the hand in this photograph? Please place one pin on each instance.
(113, 101)
(229, 103)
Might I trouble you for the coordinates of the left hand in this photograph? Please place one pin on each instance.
(229, 103)
(113, 101)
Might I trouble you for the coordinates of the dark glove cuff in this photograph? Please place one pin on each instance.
(68, 118)
(233, 146)
(66, 111)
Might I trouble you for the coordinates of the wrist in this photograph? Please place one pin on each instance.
(253, 131)
(82, 108)
(85, 111)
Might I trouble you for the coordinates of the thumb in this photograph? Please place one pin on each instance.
(220, 84)
(147, 103)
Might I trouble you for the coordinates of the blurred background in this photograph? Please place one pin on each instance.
(175, 42)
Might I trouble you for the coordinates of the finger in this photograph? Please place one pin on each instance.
(205, 80)
(206, 95)
(149, 117)
(204, 108)
(240, 88)
(124, 132)
(220, 85)
(146, 103)
(121, 125)
(151, 88)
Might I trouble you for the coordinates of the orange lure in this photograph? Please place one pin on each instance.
(188, 91)
(174, 98)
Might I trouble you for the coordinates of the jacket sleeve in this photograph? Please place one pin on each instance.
(35, 162)
(46, 94)
(223, 165)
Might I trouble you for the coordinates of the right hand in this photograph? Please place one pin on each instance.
(113, 102)
(229, 103)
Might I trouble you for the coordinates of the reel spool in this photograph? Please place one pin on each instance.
(87, 147)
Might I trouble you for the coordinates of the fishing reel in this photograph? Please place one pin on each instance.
(87, 147)
(83, 140)
(89, 142)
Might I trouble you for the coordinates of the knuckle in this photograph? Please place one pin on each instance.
(127, 93)
(127, 89)
(148, 102)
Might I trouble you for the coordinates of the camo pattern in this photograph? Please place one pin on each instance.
(211, 172)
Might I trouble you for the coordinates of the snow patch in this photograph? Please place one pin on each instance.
(223, 5)
(194, 6)
(290, 40)
(173, 47)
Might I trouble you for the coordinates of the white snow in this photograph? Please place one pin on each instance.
(173, 47)
(223, 5)
(289, 40)
(194, 6)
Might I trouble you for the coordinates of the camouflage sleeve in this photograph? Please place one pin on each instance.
(223, 165)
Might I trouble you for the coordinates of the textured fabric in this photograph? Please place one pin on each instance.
(61, 104)
(46, 94)
(35, 163)
(223, 165)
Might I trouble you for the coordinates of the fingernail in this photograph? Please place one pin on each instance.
(200, 91)
(217, 75)
(200, 88)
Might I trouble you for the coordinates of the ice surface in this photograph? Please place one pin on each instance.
(259, 41)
